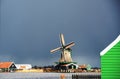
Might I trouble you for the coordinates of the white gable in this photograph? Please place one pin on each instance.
(110, 46)
(72, 64)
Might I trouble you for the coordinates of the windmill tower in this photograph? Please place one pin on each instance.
(66, 56)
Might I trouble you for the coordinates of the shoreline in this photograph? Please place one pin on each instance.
(36, 75)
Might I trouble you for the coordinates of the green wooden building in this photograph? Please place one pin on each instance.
(110, 60)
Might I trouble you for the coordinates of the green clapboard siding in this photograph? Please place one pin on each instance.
(110, 63)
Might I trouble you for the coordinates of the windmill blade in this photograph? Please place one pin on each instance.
(69, 45)
(62, 41)
(54, 50)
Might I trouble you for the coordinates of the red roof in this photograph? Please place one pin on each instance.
(5, 64)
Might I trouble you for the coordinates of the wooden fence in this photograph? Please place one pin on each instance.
(75, 76)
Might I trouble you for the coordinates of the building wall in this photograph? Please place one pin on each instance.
(110, 63)
(23, 66)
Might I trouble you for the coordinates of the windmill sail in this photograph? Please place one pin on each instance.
(69, 45)
(62, 41)
(56, 49)
(65, 52)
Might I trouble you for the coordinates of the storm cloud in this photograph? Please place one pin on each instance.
(29, 29)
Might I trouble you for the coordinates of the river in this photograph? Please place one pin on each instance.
(43, 75)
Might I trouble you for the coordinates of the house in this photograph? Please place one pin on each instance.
(66, 67)
(110, 60)
(23, 66)
(70, 66)
(7, 66)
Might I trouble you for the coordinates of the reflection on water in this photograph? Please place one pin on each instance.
(49, 75)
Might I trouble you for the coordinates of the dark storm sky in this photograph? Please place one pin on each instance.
(29, 29)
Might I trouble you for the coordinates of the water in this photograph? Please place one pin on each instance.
(40, 75)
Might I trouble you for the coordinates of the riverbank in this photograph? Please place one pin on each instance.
(19, 75)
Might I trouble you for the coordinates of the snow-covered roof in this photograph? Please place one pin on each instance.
(110, 46)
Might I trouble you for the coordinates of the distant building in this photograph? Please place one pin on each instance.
(66, 67)
(23, 66)
(71, 66)
(110, 60)
(7, 66)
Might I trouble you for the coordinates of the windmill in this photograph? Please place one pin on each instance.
(65, 50)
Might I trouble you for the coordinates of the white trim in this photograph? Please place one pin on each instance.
(73, 64)
(110, 46)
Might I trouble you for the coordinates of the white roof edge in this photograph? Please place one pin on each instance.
(110, 46)
(23, 64)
